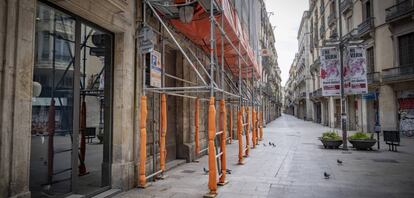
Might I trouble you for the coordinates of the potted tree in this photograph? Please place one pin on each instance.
(331, 139)
(362, 141)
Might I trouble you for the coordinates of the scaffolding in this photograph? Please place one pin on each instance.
(228, 47)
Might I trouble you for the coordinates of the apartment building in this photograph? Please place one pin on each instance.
(385, 29)
(73, 74)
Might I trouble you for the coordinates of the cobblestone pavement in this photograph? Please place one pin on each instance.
(295, 168)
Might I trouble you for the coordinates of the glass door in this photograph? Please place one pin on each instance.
(71, 106)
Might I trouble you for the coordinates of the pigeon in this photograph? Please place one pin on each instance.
(205, 171)
(326, 175)
(339, 161)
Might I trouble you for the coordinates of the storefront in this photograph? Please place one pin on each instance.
(70, 146)
(68, 92)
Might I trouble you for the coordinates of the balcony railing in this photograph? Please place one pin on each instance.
(317, 93)
(373, 78)
(401, 9)
(403, 73)
(351, 34)
(303, 95)
(366, 26)
(322, 30)
(322, 9)
(315, 65)
(332, 19)
(345, 5)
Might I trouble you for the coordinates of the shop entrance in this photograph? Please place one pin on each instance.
(71, 107)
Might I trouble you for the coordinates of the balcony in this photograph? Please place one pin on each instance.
(373, 78)
(311, 43)
(350, 35)
(302, 95)
(345, 6)
(399, 11)
(315, 65)
(322, 30)
(322, 9)
(311, 6)
(398, 74)
(317, 93)
(334, 33)
(366, 26)
(332, 19)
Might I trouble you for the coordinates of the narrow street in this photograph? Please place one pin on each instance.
(295, 168)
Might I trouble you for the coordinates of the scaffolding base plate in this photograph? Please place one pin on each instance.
(223, 183)
(162, 177)
(210, 195)
(145, 186)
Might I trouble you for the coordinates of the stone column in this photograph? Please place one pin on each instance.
(17, 23)
(388, 108)
(331, 112)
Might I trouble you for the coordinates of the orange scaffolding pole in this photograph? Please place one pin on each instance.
(261, 125)
(223, 125)
(163, 131)
(196, 126)
(257, 127)
(254, 127)
(239, 134)
(212, 166)
(247, 132)
(231, 125)
(143, 143)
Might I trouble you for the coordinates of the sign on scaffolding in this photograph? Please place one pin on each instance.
(145, 40)
(155, 66)
(330, 71)
(355, 73)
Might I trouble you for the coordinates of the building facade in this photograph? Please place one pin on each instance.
(384, 29)
(71, 79)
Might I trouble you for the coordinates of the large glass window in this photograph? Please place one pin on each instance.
(70, 148)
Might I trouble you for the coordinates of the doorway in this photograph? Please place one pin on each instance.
(71, 107)
(171, 139)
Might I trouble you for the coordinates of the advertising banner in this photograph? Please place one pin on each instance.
(330, 71)
(155, 73)
(355, 71)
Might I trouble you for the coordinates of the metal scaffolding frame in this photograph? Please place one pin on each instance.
(240, 94)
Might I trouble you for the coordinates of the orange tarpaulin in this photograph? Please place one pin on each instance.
(198, 31)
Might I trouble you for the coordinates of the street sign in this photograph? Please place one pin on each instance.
(156, 69)
(145, 40)
(369, 96)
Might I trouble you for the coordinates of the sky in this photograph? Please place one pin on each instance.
(287, 16)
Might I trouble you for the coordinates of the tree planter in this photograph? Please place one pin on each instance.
(333, 144)
(363, 144)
